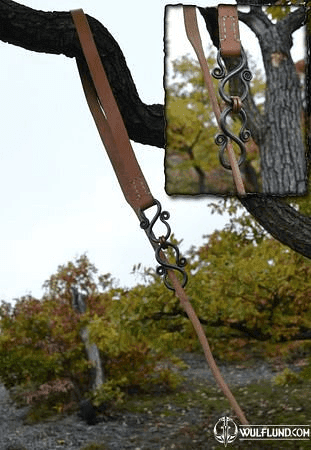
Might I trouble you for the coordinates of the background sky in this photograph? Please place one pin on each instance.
(59, 197)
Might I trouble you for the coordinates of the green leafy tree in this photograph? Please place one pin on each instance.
(245, 287)
(40, 347)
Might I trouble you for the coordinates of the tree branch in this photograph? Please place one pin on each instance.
(282, 221)
(293, 21)
(256, 20)
(54, 32)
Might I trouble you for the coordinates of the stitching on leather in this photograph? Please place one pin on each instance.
(234, 27)
(138, 183)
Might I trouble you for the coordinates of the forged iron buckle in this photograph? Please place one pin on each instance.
(162, 244)
(234, 106)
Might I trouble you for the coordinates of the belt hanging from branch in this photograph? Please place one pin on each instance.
(113, 133)
(229, 47)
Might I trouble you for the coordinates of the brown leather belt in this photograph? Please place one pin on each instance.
(108, 119)
(134, 186)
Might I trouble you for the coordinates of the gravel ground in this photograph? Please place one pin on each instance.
(125, 431)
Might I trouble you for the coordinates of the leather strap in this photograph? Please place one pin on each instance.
(108, 119)
(193, 34)
(229, 36)
(114, 136)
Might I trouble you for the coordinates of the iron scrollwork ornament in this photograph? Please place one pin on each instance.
(162, 244)
(234, 105)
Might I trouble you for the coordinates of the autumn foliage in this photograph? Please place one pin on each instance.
(41, 350)
(245, 287)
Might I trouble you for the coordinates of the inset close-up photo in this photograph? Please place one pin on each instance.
(235, 102)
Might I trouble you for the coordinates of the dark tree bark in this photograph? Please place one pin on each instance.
(54, 33)
(279, 136)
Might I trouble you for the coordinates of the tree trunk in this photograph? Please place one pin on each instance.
(283, 162)
(282, 153)
(97, 373)
(93, 355)
(55, 33)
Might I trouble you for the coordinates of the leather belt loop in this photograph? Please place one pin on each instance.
(230, 44)
(110, 123)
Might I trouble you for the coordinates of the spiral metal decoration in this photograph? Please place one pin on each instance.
(161, 244)
(235, 106)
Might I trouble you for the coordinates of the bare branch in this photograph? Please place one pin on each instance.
(293, 21)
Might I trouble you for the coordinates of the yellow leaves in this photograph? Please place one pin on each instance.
(279, 12)
(264, 288)
(110, 337)
(287, 377)
(282, 9)
(110, 391)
